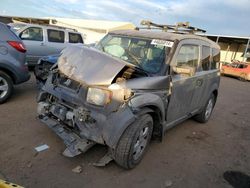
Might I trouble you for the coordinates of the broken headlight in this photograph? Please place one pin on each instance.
(98, 96)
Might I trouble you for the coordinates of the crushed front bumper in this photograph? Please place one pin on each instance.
(75, 144)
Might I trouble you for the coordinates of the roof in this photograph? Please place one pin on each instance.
(161, 35)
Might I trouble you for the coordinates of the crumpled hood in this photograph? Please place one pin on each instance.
(89, 66)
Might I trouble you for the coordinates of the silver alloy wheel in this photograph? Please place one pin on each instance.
(209, 108)
(141, 143)
(3, 87)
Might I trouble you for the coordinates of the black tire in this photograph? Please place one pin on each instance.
(203, 117)
(6, 81)
(242, 77)
(124, 154)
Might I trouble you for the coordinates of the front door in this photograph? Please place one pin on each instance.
(55, 41)
(184, 81)
(33, 39)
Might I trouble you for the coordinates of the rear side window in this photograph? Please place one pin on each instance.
(32, 33)
(75, 38)
(205, 55)
(188, 56)
(215, 58)
(55, 36)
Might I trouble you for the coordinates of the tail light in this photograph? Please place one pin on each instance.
(19, 46)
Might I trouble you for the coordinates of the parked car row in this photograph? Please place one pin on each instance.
(22, 45)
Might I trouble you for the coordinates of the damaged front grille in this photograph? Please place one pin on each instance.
(64, 81)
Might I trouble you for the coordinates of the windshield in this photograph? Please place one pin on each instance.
(139, 52)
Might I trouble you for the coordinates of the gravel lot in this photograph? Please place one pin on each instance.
(191, 154)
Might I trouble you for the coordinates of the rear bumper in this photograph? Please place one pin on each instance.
(22, 76)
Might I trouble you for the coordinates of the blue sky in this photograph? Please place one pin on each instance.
(229, 17)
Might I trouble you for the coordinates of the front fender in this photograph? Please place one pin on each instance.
(150, 99)
(116, 124)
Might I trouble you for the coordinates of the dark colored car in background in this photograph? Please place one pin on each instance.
(41, 70)
(13, 69)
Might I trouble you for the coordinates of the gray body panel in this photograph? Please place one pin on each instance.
(171, 98)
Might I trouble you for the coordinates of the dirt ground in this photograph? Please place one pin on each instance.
(191, 154)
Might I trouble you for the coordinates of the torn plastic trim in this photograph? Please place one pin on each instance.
(75, 145)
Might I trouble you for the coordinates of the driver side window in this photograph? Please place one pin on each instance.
(187, 60)
(188, 56)
(32, 33)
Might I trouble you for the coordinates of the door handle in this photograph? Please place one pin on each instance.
(199, 82)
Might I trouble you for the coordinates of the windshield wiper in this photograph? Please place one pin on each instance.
(136, 60)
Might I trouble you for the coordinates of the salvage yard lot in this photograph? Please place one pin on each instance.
(191, 154)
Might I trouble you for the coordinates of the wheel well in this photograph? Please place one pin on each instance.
(215, 92)
(9, 73)
(157, 119)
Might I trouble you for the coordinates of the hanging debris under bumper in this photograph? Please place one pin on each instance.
(75, 144)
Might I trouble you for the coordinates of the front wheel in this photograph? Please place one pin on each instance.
(134, 141)
(206, 112)
(6, 87)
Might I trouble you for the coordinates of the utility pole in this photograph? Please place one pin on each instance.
(247, 46)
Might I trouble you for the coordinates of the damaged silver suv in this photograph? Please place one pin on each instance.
(131, 88)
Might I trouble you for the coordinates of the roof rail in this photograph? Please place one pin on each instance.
(180, 27)
(44, 24)
(59, 27)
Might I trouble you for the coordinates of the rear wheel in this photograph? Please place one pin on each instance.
(6, 87)
(206, 112)
(242, 77)
(134, 141)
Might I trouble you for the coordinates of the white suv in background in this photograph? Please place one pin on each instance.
(44, 40)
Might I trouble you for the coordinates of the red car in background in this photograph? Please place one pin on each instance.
(237, 69)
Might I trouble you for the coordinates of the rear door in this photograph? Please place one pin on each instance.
(33, 38)
(75, 37)
(201, 78)
(207, 76)
(56, 41)
(184, 80)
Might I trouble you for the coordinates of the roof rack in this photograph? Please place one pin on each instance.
(59, 27)
(43, 24)
(180, 27)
